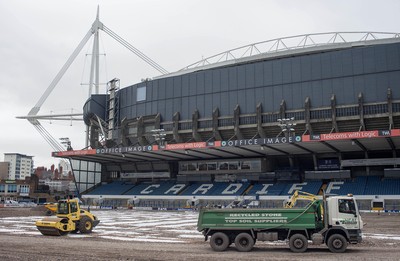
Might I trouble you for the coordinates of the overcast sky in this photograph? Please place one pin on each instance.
(37, 37)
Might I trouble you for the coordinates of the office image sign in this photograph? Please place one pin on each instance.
(262, 141)
(125, 149)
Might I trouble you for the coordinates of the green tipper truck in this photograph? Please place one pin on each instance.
(334, 221)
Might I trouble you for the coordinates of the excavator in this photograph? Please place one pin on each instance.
(69, 218)
(51, 208)
(301, 195)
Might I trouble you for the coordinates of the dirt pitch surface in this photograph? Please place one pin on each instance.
(151, 235)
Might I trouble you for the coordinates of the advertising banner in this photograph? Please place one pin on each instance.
(351, 135)
(235, 143)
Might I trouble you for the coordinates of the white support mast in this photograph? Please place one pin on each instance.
(94, 68)
(97, 25)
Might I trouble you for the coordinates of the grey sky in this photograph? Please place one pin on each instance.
(37, 37)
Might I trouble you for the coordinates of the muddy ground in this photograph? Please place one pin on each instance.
(381, 242)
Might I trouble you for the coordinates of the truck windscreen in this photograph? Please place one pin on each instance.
(347, 206)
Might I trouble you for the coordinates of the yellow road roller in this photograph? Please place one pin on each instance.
(70, 218)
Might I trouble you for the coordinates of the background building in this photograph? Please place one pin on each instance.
(20, 165)
(4, 170)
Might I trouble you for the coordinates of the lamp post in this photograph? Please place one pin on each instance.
(287, 125)
(159, 136)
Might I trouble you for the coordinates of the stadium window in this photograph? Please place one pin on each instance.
(233, 165)
(245, 165)
(192, 166)
(141, 93)
(396, 107)
(223, 166)
(202, 166)
(183, 167)
(211, 166)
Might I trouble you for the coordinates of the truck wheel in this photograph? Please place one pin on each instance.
(337, 243)
(298, 243)
(219, 241)
(244, 242)
(85, 225)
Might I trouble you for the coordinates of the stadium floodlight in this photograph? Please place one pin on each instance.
(159, 136)
(286, 125)
(66, 142)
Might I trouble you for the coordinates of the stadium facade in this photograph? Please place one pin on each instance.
(324, 116)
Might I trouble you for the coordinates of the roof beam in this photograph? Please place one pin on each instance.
(359, 145)
(278, 150)
(330, 146)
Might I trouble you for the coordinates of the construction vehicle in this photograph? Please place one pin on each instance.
(302, 195)
(340, 225)
(299, 195)
(70, 218)
(51, 208)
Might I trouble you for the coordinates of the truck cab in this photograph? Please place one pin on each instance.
(343, 215)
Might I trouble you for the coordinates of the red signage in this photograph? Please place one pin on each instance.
(185, 146)
(234, 143)
(395, 132)
(351, 135)
(73, 153)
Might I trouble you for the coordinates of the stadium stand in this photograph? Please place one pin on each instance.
(376, 186)
(355, 187)
(372, 185)
(113, 188)
(217, 188)
(166, 195)
(165, 188)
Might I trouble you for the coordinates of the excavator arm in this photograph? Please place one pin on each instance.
(304, 196)
(300, 195)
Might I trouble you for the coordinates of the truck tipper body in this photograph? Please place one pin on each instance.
(334, 221)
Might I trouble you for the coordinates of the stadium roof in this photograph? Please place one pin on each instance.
(362, 141)
(289, 46)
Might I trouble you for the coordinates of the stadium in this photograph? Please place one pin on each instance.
(316, 112)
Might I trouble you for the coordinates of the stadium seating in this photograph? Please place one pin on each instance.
(284, 188)
(372, 185)
(376, 186)
(312, 187)
(164, 188)
(216, 189)
(355, 187)
(114, 188)
(271, 190)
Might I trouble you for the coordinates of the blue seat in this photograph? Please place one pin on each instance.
(114, 188)
(216, 189)
(311, 187)
(355, 187)
(376, 186)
